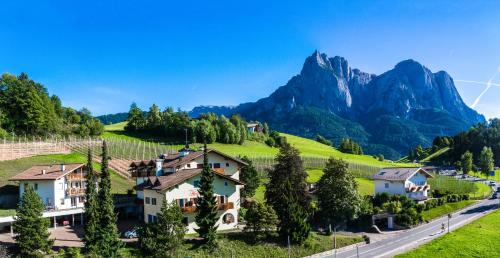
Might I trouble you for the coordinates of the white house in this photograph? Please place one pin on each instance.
(411, 182)
(176, 178)
(61, 187)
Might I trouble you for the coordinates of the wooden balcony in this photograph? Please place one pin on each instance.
(189, 209)
(75, 191)
(75, 177)
(417, 188)
(219, 171)
(143, 173)
(226, 206)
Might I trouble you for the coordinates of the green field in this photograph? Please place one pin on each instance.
(237, 245)
(481, 238)
(12, 167)
(445, 209)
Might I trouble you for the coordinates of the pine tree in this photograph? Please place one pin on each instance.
(162, 238)
(171, 230)
(32, 229)
(337, 193)
(207, 206)
(108, 240)
(91, 208)
(250, 177)
(287, 187)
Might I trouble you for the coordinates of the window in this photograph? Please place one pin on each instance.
(36, 186)
(153, 201)
(73, 201)
(227, 164)
(81, 199)
(210, 165)
(225, 183)
(222, 199)
(188, 165)
(196, 183)
(148, 200)
(216, 165)
(199, 165)
(386, 185)
(152, 218)
(181, 203)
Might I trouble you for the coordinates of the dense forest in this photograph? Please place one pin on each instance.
(26, 108)
(474, 141)
(175, 125)
(112, 118)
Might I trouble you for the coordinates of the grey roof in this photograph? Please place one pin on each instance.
(398, 174)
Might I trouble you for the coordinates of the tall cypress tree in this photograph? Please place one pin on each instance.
(207, 206)
(31, 228)
(286, 193)
(108, 240)
(91, 208)
(250, 177)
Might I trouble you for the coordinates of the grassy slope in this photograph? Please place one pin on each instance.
(481, 238)
(365, 186)
(307, 147)
(13, 167)
(445, 209)
(435, 154)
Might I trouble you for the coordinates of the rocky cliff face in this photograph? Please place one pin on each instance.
(408, 99)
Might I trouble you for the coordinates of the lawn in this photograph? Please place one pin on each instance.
(494, 178)
(445, 209)
(238, 245)
(12, 167)
(482, 191)
(481, 238)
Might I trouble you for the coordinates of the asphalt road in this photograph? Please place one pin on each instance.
(414, 237)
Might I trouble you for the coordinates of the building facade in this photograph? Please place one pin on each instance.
(176, 178)
(411, 182)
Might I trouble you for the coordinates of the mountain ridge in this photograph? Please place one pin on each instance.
(406, 100)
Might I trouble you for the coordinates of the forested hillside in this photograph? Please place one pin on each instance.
(26, 108)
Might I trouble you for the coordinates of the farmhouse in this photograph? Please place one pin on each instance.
(253, 127)
(411, 182)
(61, 188)
(176, 178)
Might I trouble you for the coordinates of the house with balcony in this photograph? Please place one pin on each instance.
(176, 178)
(411, 182)
(61, 188)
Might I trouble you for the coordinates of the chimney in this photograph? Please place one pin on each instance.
(159, 167)
(44, 171)
(63, 167)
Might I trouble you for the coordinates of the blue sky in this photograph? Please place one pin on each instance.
(104, 56)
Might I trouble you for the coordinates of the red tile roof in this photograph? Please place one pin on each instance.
(52, 172)
(165, 182)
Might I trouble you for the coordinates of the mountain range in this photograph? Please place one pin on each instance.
(387, 114)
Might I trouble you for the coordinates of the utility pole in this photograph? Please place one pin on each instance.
(289, 247)
(357, 251)
(335, 240)
(449, 216)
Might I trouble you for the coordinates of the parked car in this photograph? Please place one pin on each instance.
(492, 183)
(131, 233)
